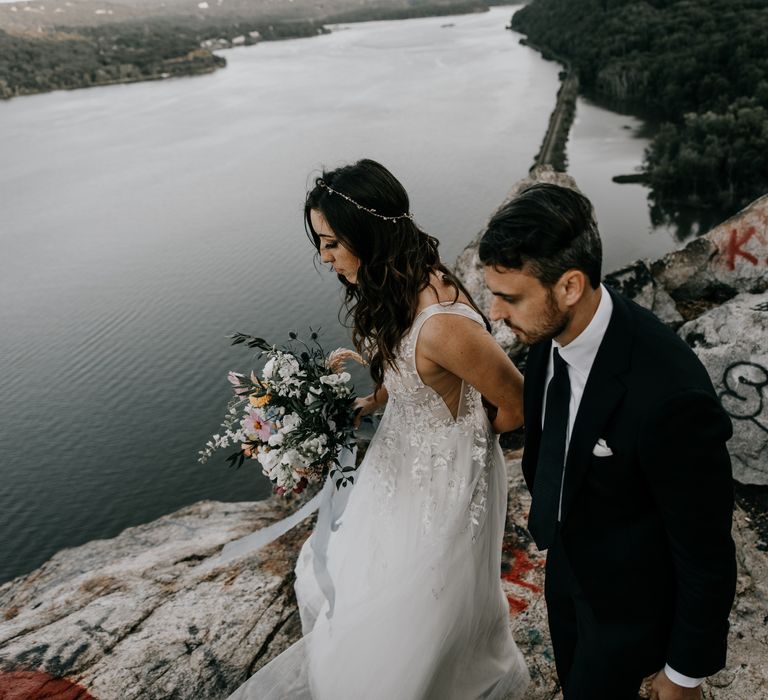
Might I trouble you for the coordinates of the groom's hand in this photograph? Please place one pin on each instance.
(664, 689)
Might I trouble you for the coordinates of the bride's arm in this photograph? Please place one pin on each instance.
(466, 349)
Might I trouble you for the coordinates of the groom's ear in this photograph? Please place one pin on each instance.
(571, 286)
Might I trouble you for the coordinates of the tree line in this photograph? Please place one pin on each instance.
(73, 57)
(700, 67)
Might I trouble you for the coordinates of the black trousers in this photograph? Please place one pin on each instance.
(595, 660)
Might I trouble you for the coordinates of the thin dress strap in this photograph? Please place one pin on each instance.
(456, 308)
(459, 308)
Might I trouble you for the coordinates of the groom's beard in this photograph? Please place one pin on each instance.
(553, 323)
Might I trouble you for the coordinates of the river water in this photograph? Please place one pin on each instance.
(143, 223)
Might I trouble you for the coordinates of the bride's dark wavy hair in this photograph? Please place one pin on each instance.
(396, 257)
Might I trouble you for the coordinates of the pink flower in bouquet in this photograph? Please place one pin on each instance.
(254, 423)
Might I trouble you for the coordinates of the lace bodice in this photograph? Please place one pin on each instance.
(422, 445)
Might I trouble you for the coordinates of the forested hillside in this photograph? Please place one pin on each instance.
(699, 66)
(59, 55)
(123, 52)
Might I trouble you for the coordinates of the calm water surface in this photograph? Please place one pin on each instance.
(603, 144)
(142, 223)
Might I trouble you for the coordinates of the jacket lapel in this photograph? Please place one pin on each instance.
(602, 393)
(533, 402)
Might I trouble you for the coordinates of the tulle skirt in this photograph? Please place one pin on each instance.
(416, 610)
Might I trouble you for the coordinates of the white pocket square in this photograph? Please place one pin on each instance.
(601, 449)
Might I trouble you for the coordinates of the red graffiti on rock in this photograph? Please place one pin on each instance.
(735, 247)
(516, 605)
(38, 685)
(520, 565)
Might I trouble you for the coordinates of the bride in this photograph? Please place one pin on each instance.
(417, 611)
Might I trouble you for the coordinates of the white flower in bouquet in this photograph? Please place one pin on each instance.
(289, 368)
(290, 422)
(336, 379)
(292, 457)
(268, 460)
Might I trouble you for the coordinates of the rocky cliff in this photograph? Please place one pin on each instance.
(143, 616)
(148, 615)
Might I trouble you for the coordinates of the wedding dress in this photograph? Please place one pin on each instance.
(408, 604)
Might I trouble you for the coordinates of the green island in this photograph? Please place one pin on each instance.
(697, 69)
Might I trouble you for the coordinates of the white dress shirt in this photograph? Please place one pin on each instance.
(579, 355)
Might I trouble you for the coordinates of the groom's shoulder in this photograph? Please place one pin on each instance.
(645, 325)
(656, 347)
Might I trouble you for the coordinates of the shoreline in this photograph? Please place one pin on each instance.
(224, 34)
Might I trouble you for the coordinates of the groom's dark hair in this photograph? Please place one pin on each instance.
(550, 229)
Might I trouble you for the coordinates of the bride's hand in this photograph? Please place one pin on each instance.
(365, 406)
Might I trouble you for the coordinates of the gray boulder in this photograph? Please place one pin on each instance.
(731, 258)
(731, 341)
(636, 281)
(145, 616)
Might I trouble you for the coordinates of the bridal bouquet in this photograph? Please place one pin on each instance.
(294, 417)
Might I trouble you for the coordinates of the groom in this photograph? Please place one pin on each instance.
(625, 457)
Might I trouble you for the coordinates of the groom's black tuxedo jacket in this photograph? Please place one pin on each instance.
(647, 530)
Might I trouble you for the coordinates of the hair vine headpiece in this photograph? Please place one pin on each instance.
(372, 212)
